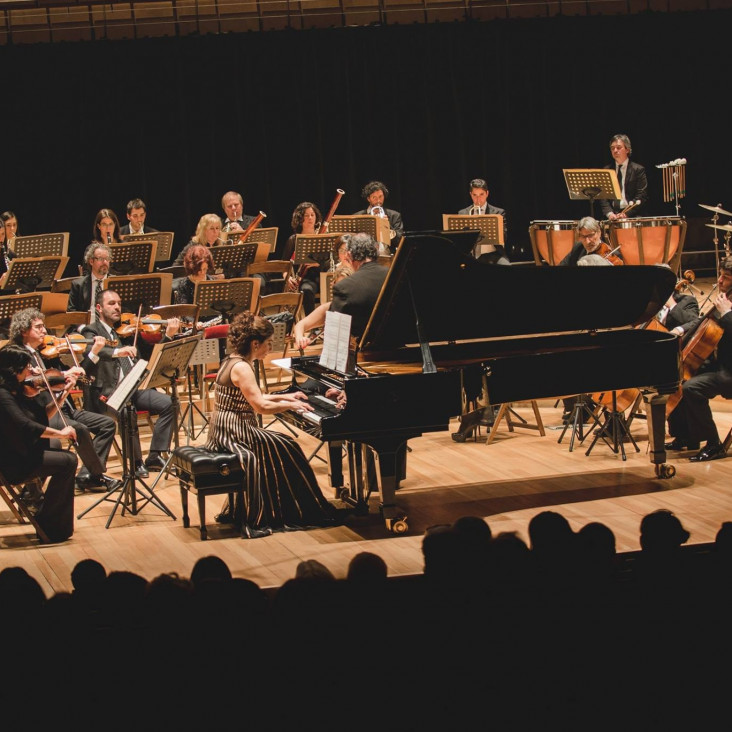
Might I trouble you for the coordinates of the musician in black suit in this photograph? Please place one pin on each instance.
(27, 329)
(136, 214)
(103, 363)
(632, 178)
(479, 193)
(375, 193)
(97, 258)
(692, 421)
(233, 205)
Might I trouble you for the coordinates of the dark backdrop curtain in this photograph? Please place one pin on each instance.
(293, 115)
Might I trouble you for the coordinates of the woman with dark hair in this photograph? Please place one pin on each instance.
(281, 492)
(106, 227)
(306, 219)
(26, 452)
(199, 267)
(10, 220)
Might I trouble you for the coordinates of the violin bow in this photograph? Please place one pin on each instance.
(56, 402)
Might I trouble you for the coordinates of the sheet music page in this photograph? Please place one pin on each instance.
(336, 339)
(126, 386)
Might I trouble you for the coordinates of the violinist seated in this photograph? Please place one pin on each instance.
(108, 359)
(589, 234)
(692, 421)
(27, 329)
(28, 455)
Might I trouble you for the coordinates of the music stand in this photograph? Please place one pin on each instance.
(163, 239)
(226, 297)
(122, 408)
(149, 290)
(315, 248)
(139, 254)
(27, 274)
(42, 245)
(489, 225)
(233, 260)
(168, 361)
(10, 304)
(206, 351)
(592, 183)
(375, 226)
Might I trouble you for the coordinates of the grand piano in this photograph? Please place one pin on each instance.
(444, 319)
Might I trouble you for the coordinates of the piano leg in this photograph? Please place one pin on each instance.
(655, 406)
(390, 460)
(335, 466)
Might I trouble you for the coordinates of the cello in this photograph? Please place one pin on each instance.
(699, 347)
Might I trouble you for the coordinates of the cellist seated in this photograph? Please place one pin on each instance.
(706, 375)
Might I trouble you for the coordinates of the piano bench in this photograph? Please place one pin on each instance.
(206, 473)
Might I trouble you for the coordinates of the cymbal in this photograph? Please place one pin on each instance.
(724, 227)
(716, 209)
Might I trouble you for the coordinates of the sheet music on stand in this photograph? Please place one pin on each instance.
(337, 354)
(591, 184)
(232, 260)
(375, 226)
(489, 225)
(126, 387)
(37, 271)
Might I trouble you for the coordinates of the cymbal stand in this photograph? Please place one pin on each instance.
(578, 419)
(616, 427)
(715, 218)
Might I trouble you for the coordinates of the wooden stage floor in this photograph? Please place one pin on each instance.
(520, 474)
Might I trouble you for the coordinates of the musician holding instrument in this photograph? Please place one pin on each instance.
(85, 289)
(136, 215)
(306, 219)
(375, 193)
(106, 227)
(479, 194)
(589, 242)
(27, 328)
(207, 234)
(27, 453)
(103, 363)
(691, 420)
(199, 266)
(632, 179)
(233, 205)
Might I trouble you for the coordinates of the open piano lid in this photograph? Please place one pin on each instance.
(434, 283)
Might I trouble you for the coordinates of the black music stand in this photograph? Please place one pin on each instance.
(616, 429)
(491, 228)
(226, 297)
(206, 351)
(233, 260)
(315, 248)
(592, 184)
(120, 405)
(578, 420)
(137, 257)
(28, 274)
(167, 363)
(9, 304)
(163, 240)
(148, 290)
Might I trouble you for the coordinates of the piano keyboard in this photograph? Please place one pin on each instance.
(324, 407)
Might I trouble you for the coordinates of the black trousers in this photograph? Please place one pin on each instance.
(92, 452)
(56, 516)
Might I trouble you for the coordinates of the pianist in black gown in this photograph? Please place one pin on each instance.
(281, 492)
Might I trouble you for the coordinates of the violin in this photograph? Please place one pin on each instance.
(53, 345)
(604, 251)
(37, 383)
(130, 323)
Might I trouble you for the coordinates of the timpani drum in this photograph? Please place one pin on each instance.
(648, 240)
(551, 241)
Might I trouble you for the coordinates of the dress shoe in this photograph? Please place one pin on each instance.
(678, 444)
(110, 483)
(710, 452)
(141, 471)
(93, 483)
(155, 462)
(32, 497)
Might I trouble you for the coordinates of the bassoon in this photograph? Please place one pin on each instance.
(241, 236)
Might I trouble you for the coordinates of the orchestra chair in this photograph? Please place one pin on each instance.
(275, 304)
(61, 322)
(206, 473)
(11, 496)
(177, 270)
(42, 245)
(281, 267)
(514, 420)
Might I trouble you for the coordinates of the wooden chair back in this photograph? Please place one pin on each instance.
(11, 495)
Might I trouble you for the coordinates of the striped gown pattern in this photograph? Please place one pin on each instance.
(281, 492)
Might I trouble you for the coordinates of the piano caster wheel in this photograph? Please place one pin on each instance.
(341, 493)
(665, 470)
(397, 525)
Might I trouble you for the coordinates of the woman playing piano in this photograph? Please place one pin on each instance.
(281, 490)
